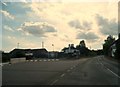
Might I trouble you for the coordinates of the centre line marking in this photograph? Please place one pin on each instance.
(54, 82)
(73, 66)
(62, 75)
(101, 63)
(113, 73)
(68, 70)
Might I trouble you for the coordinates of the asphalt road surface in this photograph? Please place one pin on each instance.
(85, 71)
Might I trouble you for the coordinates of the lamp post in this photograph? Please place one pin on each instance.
(42, 45)
(18, 45)
(53, 47)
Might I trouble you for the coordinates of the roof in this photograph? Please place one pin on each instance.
(29, 50)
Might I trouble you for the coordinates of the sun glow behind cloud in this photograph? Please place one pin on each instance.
(64, 23)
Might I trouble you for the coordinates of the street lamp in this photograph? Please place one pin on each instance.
(18, 45)
(53, 47)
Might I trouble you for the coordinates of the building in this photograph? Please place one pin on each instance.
(82, 43)
(31, 53)
(115, 48)
(71, 50)
(53, 54)
(1, 55)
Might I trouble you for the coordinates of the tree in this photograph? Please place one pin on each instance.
(84, 51)
(107, 43)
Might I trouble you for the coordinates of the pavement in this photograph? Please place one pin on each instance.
(84, 71)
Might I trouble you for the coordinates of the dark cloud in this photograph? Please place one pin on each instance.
(107, 27)
(37, 28)
(87, 36)
(78, 25)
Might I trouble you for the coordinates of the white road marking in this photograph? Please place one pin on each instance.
(62, 75)
(31, 60)
(109, 69)
(52, 59)
(40, 60)
(1, 64)
(101, 64)
(113, 73)
(54, 82)
(48, 59)
(44, 60)
(57, 59)
(68, 70)
(35, 60)
(74, 66)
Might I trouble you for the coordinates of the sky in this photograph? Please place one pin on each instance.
(58, 22)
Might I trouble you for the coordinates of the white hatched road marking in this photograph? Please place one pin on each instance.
(43, 60)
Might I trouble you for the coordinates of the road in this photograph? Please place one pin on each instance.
(85, 71)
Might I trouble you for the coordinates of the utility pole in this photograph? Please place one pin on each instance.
(42, 44)
(53, 47)
(18, 45)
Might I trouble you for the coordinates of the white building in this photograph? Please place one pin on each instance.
(71, 50)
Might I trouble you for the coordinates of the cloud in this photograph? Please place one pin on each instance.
(107, 27)
(78, 25)
(4, 3)
(75, 23)
(7, 14)
(37, 28)
(56, 14)
(87, 36)
(8, 28)
(10, 42)
(65, 38)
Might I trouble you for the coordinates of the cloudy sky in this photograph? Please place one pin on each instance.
(57, 22)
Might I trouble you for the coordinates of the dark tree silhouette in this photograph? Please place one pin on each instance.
(84, 51)
(107, 44)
